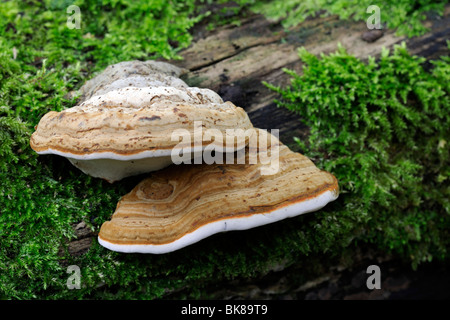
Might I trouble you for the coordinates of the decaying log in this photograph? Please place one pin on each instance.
(234, 61)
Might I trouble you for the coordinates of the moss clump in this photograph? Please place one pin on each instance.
(41, 61)
(404, 15)
(382, 128)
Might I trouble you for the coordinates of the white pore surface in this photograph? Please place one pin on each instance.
(242, 223)
(114, 167)
(141, 155)
(115, 170)
(115, 156)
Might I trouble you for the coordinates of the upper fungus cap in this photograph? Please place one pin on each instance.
(133, 74)
(178, 206)
(129, 116)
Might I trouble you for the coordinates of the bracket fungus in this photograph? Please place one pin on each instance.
(181, 205)
(124, 123)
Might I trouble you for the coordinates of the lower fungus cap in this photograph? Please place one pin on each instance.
(181, 205)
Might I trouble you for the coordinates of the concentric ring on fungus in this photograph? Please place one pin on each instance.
(181, 205)
(124, 123)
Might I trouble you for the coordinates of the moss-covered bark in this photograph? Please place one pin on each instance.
(42, 198)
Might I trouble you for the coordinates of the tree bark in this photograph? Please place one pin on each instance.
(234, 61)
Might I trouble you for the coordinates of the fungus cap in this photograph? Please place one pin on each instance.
(180, 205)
(126, 124)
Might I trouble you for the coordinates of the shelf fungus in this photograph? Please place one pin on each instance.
(181, 205)
(131, 118)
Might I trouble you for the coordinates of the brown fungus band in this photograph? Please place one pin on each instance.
(124, 124)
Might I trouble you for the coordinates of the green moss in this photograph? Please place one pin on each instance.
(404, 15)
(382, 128)
(41, 61)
